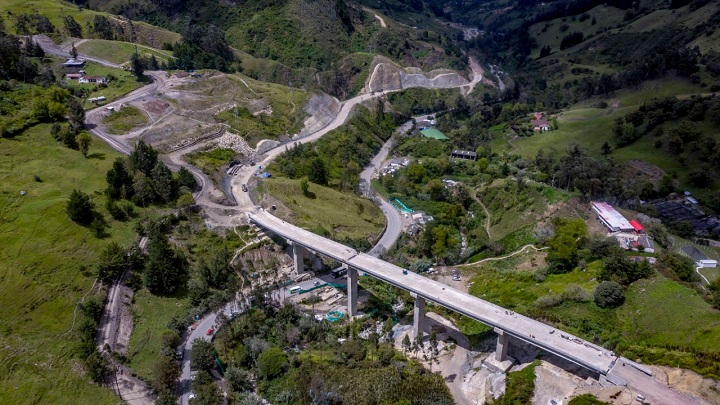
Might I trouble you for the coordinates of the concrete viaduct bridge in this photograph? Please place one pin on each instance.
(505, 322)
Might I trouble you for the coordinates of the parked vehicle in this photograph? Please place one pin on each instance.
(339, 272)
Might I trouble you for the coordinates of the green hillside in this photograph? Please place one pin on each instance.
(57, 11)
(301, 33)
(120, 52)
(47, 267)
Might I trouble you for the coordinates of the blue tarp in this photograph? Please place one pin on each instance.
(264, 175)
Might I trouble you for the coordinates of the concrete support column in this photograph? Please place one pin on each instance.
(419, 316)
(299, 253)
(502, 345)
(352, 280)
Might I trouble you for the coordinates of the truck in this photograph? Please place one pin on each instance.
(337, 273)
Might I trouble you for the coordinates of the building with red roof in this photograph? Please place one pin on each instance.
(637, 226)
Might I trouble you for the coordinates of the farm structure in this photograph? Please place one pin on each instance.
(613, 220)
(463, 154)
(700, 259)
(674, 211)
(629, 234)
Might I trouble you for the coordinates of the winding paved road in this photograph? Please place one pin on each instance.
(245, 204)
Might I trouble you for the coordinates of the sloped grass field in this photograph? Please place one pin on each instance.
(327, 211)
(152, 314)
(47, 266)
(661, 322)
(120, 52)
(125, 119)
(56, 10)
(588, 127)
(661, 312)
(210, 161)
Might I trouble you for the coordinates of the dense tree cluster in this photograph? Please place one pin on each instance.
(676, 265)
(144, 179)
(618, 268)
(315, 366)
(30, 24)
(570, 234)
(165, 268)
(338, 160)
(213, 278)
(609, 294)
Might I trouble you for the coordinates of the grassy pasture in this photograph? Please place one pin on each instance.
(590, 127)
(46, 267)
(339, 214)
(657, 311)
(210, 161)
(120, 52)
(125, 119)
(606, 17)
(151, 314)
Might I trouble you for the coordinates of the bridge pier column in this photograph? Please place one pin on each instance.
(299, 253)
(419, 316)
(502, 345)
(352, 291)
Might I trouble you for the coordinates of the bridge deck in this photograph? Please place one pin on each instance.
(537, 333)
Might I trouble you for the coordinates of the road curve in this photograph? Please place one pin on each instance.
(394, 226)
(245, 204)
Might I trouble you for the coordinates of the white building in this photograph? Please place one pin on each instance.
(612, 219)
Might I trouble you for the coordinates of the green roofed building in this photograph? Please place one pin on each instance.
(434, 133)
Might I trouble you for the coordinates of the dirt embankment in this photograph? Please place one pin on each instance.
(385, 75)
(322, 109)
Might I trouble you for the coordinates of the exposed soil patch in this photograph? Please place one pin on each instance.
(645, 170)
(689, 381)
(155, 107)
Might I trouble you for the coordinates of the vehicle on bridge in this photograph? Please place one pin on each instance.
(295, 289)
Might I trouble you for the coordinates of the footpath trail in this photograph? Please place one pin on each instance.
(487, 215)
(492, 259)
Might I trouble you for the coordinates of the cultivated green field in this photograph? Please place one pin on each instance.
(46, 267)
(55, 10)
(120, 52)
(125, 119)
(326, 211)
